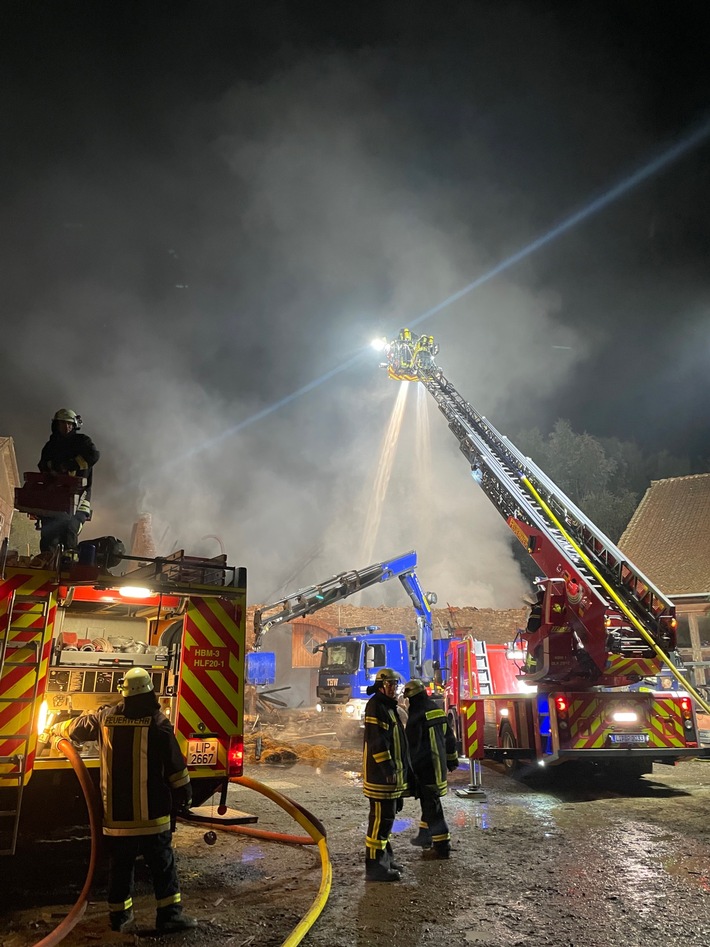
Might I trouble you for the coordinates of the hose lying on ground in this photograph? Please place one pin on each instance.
(316, 836)
(93, 804)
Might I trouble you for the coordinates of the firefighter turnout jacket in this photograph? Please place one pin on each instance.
(72, 453)
(385, 759)
(432, 744)
(141, 767)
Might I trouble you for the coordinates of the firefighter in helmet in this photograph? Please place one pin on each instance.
(432, 751)
(144, 781)
(385, 774)
(67, 452)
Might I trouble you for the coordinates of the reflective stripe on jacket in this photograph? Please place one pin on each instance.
(141, 763)
(431, 743)
(385, 762)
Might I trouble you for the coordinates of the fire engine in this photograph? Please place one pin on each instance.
(599, 623)
(69, 632)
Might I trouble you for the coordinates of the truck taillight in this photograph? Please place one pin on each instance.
(235, 756)
(561, 708)
(685, 708)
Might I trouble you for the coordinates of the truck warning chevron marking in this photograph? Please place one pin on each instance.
(200, 680)
(600, 627)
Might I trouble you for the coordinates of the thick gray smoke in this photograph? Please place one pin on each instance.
(201, 266)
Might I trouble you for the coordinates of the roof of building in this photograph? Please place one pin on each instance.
(668, 537)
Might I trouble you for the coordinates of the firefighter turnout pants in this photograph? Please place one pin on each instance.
(433, 817)
(157, 851)
(379, 825)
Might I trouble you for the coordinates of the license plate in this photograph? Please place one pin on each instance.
(202, 752)
(629, 738)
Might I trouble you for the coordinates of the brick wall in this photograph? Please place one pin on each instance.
(486, 624)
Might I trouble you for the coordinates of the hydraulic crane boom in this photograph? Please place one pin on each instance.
(311, 599)
(603, 620)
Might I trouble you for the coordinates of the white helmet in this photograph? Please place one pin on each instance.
(136, 681)
(66, 414)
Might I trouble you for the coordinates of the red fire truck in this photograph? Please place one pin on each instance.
(599, 625)
(69, 633)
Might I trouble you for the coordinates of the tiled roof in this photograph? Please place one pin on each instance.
(668, 537)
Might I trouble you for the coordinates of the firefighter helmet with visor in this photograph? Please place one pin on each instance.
(387, 676)
(66, 414)
(414, 687)
(136, 681)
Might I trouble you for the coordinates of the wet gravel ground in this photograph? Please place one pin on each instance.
(567, 860)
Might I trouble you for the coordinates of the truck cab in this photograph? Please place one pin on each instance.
(349, 663)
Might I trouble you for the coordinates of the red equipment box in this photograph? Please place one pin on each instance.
(42, 495)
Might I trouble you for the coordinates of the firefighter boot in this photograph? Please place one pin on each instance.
(377, 869)
(171, 920)
(423, 840)
(439, 851)
(122, 921)
(389, 858)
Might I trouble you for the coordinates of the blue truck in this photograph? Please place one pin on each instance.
(350, 661)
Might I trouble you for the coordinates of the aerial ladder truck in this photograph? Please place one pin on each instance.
(350, 661)
(601, 625)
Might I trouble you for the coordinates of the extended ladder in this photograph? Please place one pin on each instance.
(27, 610)
(504, 474)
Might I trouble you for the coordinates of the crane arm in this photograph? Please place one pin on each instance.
(314, 597)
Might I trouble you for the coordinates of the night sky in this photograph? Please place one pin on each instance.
(208, 207)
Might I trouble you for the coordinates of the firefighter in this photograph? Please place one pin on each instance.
(67, 452)
(144, 782)
(432, 751)
(385, 774)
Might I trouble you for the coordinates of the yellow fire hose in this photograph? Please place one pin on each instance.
(316, 836)
(622, 605)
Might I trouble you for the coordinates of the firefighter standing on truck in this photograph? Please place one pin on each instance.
(67, 452)
(432, 750)
(144, 780)
(385, 774)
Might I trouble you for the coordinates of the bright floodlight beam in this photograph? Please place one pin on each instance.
(672, 153)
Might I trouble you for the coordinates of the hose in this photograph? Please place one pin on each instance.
(93, 804)
(316, 836)
(313, 826)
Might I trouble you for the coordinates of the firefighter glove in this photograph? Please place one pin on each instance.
(452, 765)
(182, 799)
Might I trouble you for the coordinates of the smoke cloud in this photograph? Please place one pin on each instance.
(190, 266)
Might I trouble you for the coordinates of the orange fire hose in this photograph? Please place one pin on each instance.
(316, 836)
(93, 804)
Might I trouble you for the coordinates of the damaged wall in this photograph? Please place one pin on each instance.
(486, 624)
